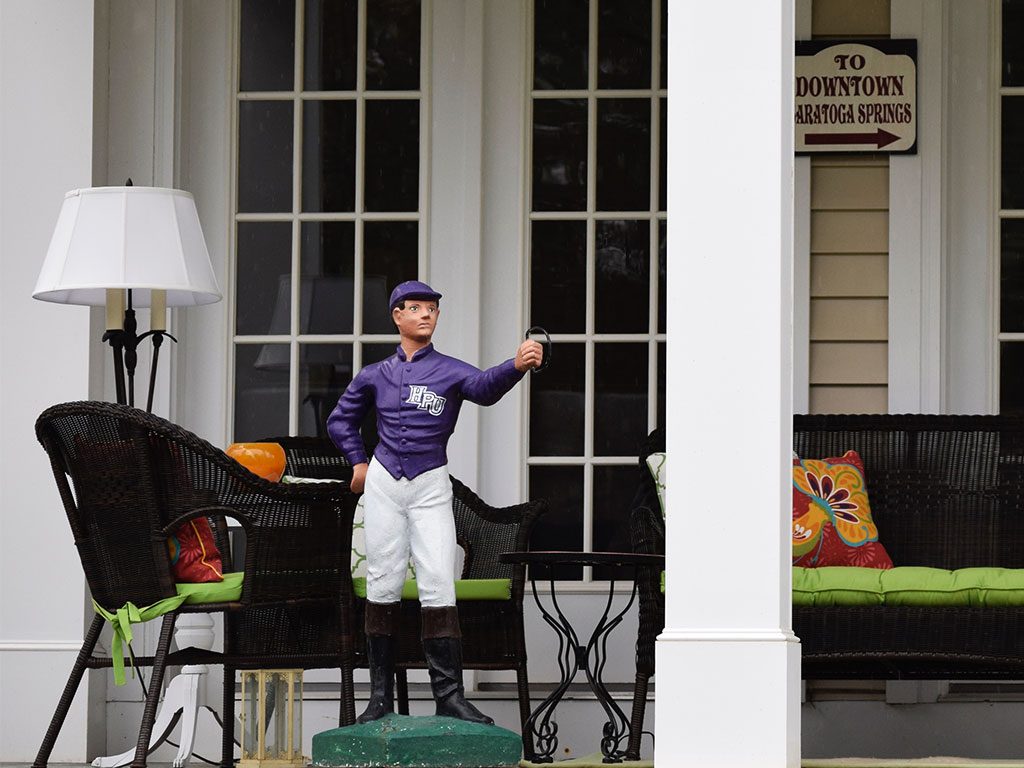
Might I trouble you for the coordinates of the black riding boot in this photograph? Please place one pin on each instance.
(442, 648)
(381, 625)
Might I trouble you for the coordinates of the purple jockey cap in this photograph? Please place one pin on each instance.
(412, 289)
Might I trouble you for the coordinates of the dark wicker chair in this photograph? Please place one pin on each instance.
(647, 534)
(492, 631)
(128, 479)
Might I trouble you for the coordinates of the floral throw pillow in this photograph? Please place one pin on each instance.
(832, 522)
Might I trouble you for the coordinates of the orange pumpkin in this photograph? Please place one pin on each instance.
(263, 459)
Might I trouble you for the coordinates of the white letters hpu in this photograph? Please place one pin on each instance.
(426, 400)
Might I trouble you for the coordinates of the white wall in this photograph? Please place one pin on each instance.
(46, 110)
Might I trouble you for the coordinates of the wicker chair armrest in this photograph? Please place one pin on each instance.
(209, 511)
(647, 531)
(525, 513)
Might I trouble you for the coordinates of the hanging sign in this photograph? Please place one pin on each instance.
(855, 96)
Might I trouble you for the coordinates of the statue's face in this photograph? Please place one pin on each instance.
(418, 320)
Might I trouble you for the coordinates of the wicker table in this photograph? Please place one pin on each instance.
(574, 655)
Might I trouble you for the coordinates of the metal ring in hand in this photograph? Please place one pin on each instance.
(545, 360)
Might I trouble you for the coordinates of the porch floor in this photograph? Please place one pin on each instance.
(848, 762)
(924, 762)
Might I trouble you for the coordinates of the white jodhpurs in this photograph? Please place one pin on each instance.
(403, 516)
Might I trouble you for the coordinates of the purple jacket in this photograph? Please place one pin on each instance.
(418, 403)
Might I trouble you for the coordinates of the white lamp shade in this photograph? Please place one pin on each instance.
(142, 238)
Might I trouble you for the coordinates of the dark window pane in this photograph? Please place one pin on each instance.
(1013, 42)
(558, 274)
(663, 158)
(324, 372)
(264, 156)
(623, 154)
(373, 353)
(623, 277)
(614, 488)
(390, 256)
(660, 420)
(561, 527)
(1011, 276)
(664, 44)
(560, 33)
(267, 56)
(662, 274)
(624, 44)
(393, 45)
(556, 404)
(329, 156)
(1013, 152)
(261, 391)
(327, 266)
(330, 44)
(1011, 377)
(392, 155)
(263, 280)
(620, 399)
(559, 155)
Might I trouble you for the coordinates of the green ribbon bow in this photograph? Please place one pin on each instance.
(121, 621)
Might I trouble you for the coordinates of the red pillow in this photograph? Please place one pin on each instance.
(832, 522)
(194, 554)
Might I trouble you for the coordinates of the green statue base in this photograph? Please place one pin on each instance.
(422, 742)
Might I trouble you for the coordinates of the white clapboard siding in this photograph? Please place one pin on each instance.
(850, 18)
(849, 317)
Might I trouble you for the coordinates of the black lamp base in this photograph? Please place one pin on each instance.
(124, 343)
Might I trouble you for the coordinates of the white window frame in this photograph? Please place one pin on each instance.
(297, 96)
(591, 216)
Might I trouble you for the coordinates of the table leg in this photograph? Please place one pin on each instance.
(570, 658)
(617, 727)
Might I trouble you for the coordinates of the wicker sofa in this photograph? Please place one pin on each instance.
(947, 492)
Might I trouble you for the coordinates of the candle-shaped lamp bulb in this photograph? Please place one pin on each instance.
(115, 309)
(158, 310)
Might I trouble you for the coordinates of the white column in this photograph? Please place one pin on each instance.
(728, 660)
(802, 251)
(46, 134)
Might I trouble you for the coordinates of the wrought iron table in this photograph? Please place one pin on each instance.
(574, 655)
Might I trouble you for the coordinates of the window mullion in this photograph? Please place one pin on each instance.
(655, 234)
(588, 387)
(423, 228)
(293, 325)
(358, 272)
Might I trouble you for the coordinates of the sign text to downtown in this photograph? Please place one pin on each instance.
(855, 96)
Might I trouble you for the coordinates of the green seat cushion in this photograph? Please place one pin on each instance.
(226, 591)
(465, 589)
(908, 586)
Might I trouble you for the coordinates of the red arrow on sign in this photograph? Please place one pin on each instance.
(880, 138)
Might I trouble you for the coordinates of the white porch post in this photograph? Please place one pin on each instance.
(728, 660)
(46, 148)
